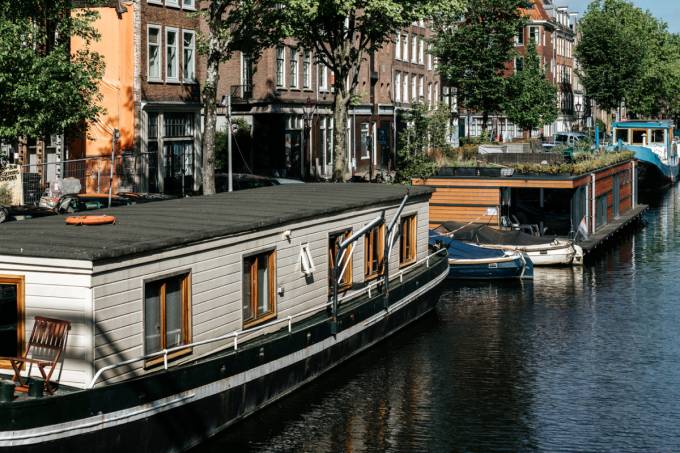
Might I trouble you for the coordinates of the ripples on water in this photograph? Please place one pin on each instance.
(577, 360)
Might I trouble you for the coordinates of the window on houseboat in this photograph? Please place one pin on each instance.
(639, 136)
(622, 135)
(658, 136)
(259, 287)
(373, 251)
(166, 313)
(407, 249)
(345, 263)
(11, 318)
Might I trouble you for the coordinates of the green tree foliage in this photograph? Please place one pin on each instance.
(473, 49)
(343, 34)
(531, 99)
(628, 56)
(248, 26)
(44, 87)
(426, 130)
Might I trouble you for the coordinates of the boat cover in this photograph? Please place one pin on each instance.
(482, 234)
(462, 251)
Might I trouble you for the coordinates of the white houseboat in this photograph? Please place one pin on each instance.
(190, 314)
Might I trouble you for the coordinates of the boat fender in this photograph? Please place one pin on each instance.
(91, 220)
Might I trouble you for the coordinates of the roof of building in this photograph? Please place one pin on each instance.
(537, 11)
(651, 124)
(152, 227)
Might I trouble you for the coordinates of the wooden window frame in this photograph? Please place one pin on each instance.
(20, 282)
(272, 313)
(186, 317)
(412, 236)
(368, 252)
(348, 277)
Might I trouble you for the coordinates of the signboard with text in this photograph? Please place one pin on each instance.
(11, 188)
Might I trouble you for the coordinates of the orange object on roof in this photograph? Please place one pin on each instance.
(91, 220)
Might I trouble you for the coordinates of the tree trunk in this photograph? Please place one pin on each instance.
(485, 122)
(340, 173)
(210, 103)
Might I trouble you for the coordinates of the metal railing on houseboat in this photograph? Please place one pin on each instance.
(258, 329)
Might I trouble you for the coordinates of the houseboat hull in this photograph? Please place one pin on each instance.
(176, 409)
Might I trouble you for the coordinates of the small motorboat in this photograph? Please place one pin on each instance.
(467, 261)
(543, 250)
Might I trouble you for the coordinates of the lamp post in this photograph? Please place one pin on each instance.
(578, 108)
(308, 114)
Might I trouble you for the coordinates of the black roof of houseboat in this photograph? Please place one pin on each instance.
(152, 227)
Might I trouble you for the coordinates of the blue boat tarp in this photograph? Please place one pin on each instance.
(462, 251)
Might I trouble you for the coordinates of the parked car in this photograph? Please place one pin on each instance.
(88, 202)
(242, 181)
(568, 139)
(9, 213)
(145, 197)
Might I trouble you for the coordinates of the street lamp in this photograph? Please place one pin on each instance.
(308, 114)
(578, 108)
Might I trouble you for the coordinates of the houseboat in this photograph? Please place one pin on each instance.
(184, 316)
(652, 142)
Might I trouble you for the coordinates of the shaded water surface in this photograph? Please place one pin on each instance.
(578, 360)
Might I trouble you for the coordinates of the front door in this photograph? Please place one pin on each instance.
(11, 317)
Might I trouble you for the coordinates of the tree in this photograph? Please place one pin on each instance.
(473, 49)
(248, 26)
(626, 56)
(343, 33)
(44, 87)
(531, 99)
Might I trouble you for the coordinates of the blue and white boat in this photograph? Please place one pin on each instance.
(471, 262)
(652, 143)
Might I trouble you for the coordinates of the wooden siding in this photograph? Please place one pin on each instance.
(52, 289)
(216, 274)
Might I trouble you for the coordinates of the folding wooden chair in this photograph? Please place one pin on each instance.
(45, 350)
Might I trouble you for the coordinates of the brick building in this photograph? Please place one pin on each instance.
(553, 31)
(287, 98)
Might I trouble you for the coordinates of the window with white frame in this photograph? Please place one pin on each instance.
(323, 77)
(404, 54)
(414, 49)
(294, 75)
(414, 88)
(280, 66)
(404, 83)
(435, 95)
(429, 94)
(421, 92)
(397, 86)
(429, 56)
(154, 52)
(174, 3)
(189, 4)
(535, 35)
(189, 49)
(421, 51)
(307, 69)
(327, 144)
(397, 47)
(171, 55)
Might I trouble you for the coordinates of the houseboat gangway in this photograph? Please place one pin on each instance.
(188, 315)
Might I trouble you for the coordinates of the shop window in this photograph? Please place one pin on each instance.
(345, 263)
(374, 250)
(166, 314)
(407, 241)
(365, 141)
(259, 288)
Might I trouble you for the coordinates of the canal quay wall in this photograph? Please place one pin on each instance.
(590, 208)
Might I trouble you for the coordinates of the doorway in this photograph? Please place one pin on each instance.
(11, 317)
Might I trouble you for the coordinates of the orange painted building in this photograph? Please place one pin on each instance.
(117, 46)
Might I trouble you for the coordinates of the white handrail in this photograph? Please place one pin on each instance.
(288, 319)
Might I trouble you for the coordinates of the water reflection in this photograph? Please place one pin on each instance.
(577, 360)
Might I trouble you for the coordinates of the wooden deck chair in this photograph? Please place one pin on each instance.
(45, 350)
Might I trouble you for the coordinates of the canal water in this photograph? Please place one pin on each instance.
(577, 360)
